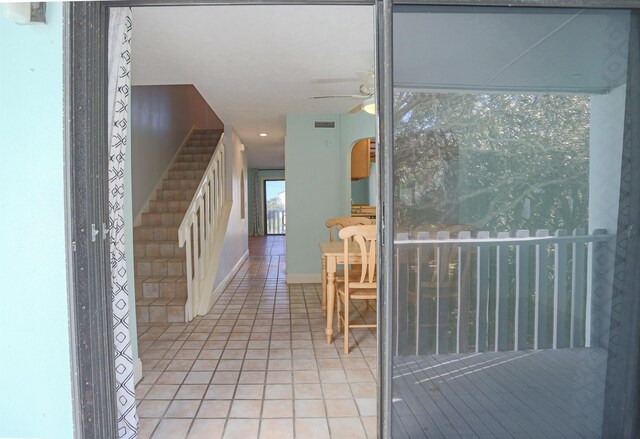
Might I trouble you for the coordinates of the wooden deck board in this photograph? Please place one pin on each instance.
(525, 394)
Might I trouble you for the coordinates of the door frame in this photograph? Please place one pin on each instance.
(264, 203)
(85, 36)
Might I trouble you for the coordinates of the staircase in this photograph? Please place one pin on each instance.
(160, 263)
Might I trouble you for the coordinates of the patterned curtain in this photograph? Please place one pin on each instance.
(118, 107)
(258, 214)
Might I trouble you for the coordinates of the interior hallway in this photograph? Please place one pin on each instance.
(257, 365)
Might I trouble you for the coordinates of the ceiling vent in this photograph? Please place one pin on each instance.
(320, 124)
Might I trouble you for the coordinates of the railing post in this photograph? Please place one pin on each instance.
(522, 292)
(425, 312)
(578, 292)
(541, 312)
(502, 291)
(402, 292)
(463, 287)
(482, 295)
(560, 335)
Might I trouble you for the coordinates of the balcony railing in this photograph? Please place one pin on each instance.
(276, 222)
(475, 294)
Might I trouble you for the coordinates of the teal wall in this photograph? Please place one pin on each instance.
(262, 173)
(35, 375)
(318, 177)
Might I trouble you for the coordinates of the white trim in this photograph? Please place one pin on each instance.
(225, 282)
(304, 278)
(137, 221)
(138, 374)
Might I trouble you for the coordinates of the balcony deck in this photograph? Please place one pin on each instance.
(523, 394)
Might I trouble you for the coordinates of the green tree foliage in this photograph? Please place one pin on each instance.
(491, 161)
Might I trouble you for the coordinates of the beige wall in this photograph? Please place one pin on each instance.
(162, 116)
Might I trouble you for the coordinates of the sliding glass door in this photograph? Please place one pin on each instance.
(515, 293)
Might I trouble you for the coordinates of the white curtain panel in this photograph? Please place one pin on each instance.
(118, 107)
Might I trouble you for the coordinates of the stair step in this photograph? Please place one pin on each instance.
(187, 184)
(186, 166)
(169, 206)
(162, 310)
(185, 175)
(207, 149)
(193, 158)
(162, 219)
(161, 266)
(174, 194)
(155, 233)
(154, 287)
(158, 249)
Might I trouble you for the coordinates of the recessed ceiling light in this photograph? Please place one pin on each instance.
(263, 134)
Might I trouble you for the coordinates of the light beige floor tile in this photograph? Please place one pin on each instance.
(191, 391)
(207, 429)
(277, 408)
(333, 376)
(278, 391)
(204, 365)
(146, 427)
(336, 391)
(338, 408)
(308, 391)
(276, 429)
(152, 408)
(214, 409)
(225, 377)
(251, 377)
(183, 409)
(162, 391)
(346, 428)
(172, 429)
(249, 391)
(363, 390)
(245, 409)
(241, 429)
(198, 377)
(367, 406)
(310, 428)
(306, 376)
(220, 391)
(171, 378)
(370, 426)
(279, 377)
(309, 408)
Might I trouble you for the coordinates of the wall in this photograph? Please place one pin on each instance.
(236, 241)
(318, 168)
(35, 375)
(161, 118)
(265, 174)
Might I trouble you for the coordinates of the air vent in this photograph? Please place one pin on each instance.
(320, 124)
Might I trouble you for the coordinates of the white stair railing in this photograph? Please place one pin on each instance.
(198, 228)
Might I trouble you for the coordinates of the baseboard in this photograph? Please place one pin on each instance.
(304, 278)
(225, 282)
(152, 196)
(137, 371)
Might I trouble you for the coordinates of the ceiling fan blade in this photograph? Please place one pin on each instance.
(355, 109)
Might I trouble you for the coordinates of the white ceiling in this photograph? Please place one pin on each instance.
(256, 64)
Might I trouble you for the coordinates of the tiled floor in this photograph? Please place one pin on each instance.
(257, 366)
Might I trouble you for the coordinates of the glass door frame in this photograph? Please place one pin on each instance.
(384, 163)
